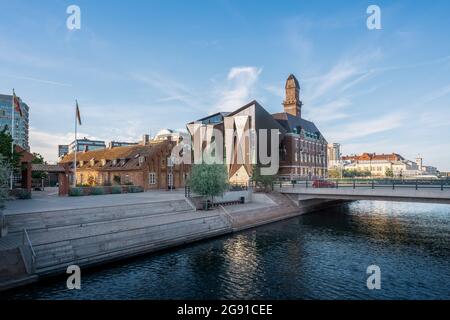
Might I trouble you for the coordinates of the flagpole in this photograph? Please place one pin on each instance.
(12, 142)
(76, 148)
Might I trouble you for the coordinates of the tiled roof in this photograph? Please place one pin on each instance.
(373, 157)
(47, 167)
(120, 158)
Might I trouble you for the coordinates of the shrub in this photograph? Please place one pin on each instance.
(76, 192)
(236, 187)
(4, 179)
(135, 189)
(97, 191)
(116, 190)
(23, 194)
(262, 181)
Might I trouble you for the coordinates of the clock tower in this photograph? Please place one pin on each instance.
(292, 103)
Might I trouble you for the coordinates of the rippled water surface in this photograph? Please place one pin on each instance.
(318, 256)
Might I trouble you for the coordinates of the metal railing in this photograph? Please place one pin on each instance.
(443, 184)
(27, 243)
(228, 216)
(187, 191)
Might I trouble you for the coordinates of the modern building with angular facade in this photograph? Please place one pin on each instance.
(248, 136)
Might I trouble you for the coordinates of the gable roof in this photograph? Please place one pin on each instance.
(128, 157)
(254, 102)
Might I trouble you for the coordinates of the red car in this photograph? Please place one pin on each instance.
(323, 184)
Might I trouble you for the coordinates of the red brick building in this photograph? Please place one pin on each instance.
(148, 166)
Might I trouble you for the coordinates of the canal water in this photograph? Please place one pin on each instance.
(324, 255)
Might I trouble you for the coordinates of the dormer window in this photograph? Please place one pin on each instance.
(81, 163)
(141, 160)
(92, 162)
(103, 162)
(114, 162)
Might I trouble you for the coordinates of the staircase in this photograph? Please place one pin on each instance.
(97, 235)
(282, 208)
(16, 267)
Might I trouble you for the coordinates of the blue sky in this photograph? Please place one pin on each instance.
(139, 66)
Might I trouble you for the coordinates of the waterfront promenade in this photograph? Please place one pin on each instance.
(49, 201)
(89, 231)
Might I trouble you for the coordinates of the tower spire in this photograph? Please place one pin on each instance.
(292, 103)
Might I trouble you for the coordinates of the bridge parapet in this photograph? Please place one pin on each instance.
(354, 191)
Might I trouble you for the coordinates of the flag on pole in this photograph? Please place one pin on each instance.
(78, 114)
(16, 102)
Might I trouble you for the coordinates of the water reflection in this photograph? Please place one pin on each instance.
(318, 256)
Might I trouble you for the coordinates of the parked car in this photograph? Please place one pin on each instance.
(323, 184)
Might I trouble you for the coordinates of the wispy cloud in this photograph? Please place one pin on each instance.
(437, 94)
(170, 89)
(345, 74)
(363, 128)
(238, 88)
(330, 111)
(43, 81)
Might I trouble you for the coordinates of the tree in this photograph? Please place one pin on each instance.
(334, 173)
(209, 180)
(38, 159)
(352, 173)
(4, 177)
(11, 160)
(389, 173)
(265, 181)
(4, 180)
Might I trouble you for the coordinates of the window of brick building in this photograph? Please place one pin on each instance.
(152, 178)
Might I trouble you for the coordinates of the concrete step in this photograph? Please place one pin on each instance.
(59, 255)
(52, 219)
(110, 246)
(93, 229)
(151, 232)
(133, 251)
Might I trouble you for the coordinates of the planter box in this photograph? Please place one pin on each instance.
(89, 191)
